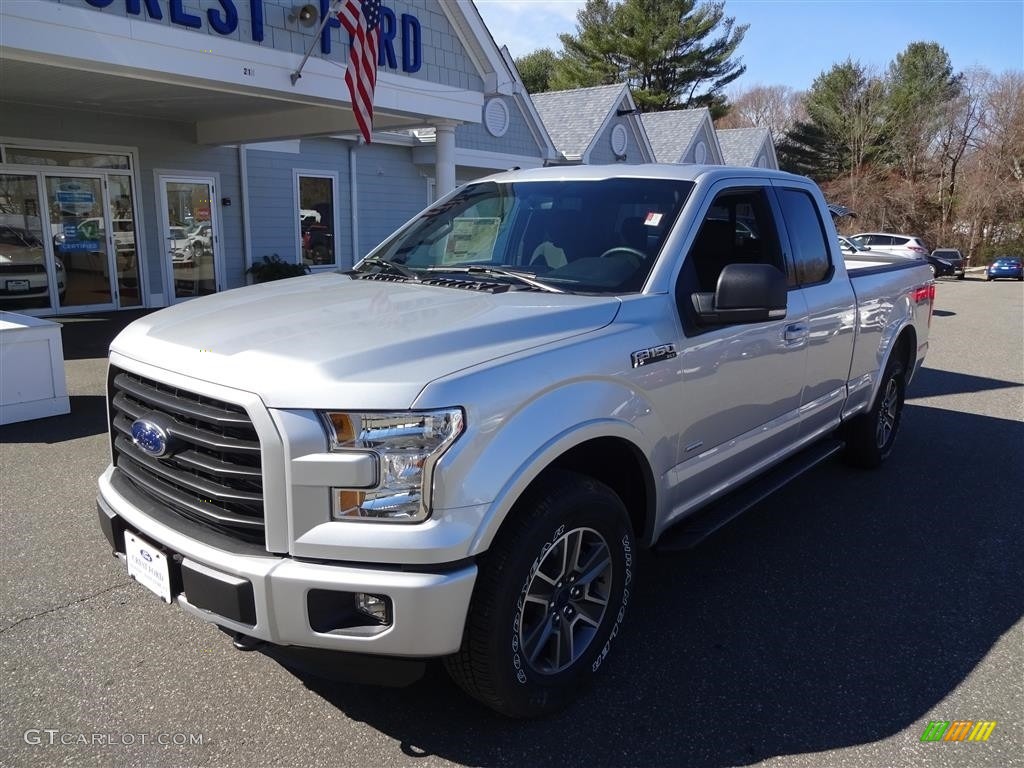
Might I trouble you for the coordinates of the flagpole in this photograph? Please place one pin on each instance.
(316, 39)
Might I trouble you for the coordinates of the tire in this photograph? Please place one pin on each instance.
(515, 656)
(870, 436)
(960, 276)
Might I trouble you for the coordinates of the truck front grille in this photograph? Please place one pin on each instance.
(212, 476)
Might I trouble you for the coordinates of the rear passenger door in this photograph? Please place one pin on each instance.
(831, 308)
(741, 383)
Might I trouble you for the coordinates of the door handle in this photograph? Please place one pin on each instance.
(796, 332)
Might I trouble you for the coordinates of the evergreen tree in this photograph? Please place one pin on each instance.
(673, 53)
(921, 85)
(535, 69)
(845, 126)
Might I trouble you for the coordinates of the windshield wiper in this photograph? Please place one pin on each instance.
(526, 278)
(391, 266)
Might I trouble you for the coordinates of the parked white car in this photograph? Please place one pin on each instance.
(908, 246)
(200, 238)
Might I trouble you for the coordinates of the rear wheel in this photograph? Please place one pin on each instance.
(549, 599)
(871, 436)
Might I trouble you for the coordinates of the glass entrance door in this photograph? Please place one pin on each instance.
(25, 278)
(78, 222)
(190, 231)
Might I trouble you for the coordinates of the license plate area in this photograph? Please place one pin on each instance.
(150, 566)
(18, 286)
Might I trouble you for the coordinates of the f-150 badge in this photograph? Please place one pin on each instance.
(653, 354)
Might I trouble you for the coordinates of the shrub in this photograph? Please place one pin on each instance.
(273, 268)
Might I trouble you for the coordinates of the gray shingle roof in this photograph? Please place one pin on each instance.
(740, 146)
(574, 117)
(671, 132)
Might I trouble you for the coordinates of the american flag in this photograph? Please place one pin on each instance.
(360, 18)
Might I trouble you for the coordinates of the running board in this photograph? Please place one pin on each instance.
(691, 531)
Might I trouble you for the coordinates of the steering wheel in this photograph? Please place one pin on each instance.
(625, 249)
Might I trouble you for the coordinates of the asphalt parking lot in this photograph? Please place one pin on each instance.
(825, 627)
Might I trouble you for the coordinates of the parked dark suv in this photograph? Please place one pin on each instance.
(946, 262)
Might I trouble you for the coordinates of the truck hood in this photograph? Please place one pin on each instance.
(328, 341)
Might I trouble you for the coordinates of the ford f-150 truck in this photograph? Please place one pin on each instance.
(457, 448)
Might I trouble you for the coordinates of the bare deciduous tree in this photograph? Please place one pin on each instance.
(776, 107)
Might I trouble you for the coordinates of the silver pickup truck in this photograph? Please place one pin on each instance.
(457, 448)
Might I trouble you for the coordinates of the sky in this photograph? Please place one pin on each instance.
(790, 42)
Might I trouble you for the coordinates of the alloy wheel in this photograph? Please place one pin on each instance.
(565, 601)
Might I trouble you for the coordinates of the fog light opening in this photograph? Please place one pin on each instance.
(376, 607)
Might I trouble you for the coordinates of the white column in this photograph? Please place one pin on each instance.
(444, 170)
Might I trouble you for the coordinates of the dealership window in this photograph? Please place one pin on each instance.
(66, 158)
(317, 219)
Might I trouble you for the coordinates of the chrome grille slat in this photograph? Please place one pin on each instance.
(181, 406)
(201, 486)
(167, 493)
(202, 437)
(213, 477)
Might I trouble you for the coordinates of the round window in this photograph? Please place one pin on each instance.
(700, 153)
(619, 139)
(496, 117)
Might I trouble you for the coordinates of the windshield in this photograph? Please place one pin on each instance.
(574, 236)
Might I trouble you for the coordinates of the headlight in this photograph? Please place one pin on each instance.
(407, 446)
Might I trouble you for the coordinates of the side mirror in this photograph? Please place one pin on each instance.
(746, 293)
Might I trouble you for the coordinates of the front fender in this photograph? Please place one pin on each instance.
(508, 451)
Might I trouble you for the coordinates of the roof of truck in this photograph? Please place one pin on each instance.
(676, 171)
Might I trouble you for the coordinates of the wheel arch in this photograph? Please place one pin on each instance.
(607, 451)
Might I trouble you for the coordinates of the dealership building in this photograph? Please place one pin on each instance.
(153, 150)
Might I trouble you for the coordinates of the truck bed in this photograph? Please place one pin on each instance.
(860, 265)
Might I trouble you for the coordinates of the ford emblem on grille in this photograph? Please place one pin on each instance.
(150, 437)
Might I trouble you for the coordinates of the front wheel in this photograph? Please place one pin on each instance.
(549, 599)
(871, 436)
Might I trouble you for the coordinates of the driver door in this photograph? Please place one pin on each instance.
(741, 383)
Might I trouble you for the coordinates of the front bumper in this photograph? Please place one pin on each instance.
(268, 596)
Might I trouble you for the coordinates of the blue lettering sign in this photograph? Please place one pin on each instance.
(180, 16)
(152, 8)
(224, 21)
(388, 30)
(228, 22)
(333, 22)
(412, 44)
(256, 17)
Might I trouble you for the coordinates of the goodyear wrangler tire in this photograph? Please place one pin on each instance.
(871, 436)
(550, 598)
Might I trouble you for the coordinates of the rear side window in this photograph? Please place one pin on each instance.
(806, 236)
(900, 240)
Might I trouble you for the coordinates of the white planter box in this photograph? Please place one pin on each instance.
(32, 383)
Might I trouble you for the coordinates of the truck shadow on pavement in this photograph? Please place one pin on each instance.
(834, 614)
